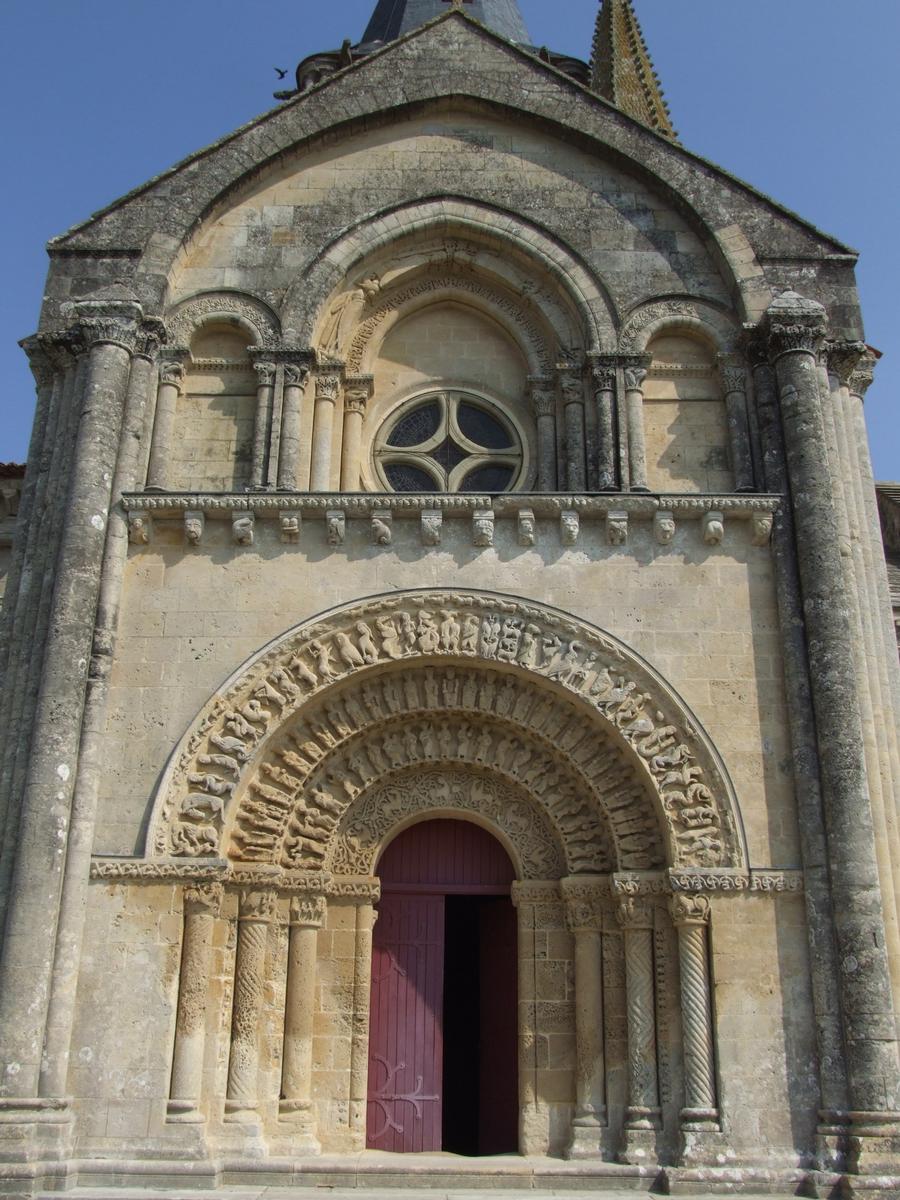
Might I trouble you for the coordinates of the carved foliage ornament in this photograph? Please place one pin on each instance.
(191, 314)
(608, 683)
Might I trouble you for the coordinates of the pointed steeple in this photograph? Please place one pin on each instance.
(621, 70)
(393, 18)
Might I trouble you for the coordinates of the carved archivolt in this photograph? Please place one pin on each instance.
(674, 314)
(252, 314)
(497, 238)
(586, 723)
(390, 805)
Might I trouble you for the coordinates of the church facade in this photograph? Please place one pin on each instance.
(450, 683)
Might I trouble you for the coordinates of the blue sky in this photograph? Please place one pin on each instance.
(798, 97)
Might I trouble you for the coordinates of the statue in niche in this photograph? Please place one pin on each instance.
(345, 313)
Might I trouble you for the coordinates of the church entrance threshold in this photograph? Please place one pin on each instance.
(443, 1038)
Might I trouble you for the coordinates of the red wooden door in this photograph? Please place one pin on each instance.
(405, 1043)
(419, 871)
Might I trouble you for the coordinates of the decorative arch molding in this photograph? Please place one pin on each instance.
(233, 307)
(404, 798)
(364, 651)
(679, 314)
(487, 226)
(537, 340)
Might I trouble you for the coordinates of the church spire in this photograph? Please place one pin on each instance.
(393, 18)
(621, 70)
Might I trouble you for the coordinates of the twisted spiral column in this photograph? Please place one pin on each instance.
(642, 1115)
(256, 912)
(690, 914)
(201, 906)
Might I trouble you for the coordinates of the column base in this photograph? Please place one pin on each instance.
(184, 1112)
(587, 1132)
(701, 1144)
(873, 1143)
(297, 1119)
(534, 1131)
(35, 1129)
(639, 1137)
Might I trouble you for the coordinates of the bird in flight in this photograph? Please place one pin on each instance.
(281, 74)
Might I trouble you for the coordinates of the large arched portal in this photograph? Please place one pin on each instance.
(298, 786)
(443, 1030)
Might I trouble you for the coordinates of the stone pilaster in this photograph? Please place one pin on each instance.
(108, 329)
(296, 1105)
(795, 329)
(328, 390)
(357, 393)
(171, 385)
(256, 912)
(201, 907)
(635, 368)
(543, 405)
(585, 902)
(642, 1115)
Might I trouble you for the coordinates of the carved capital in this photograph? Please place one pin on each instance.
(571, 385)
(150, 338)
(862, 377)
(586, 902)
(106, 320)
(688, 908)
(634, 912)
(733, 375)
(265, 373)
(258, 907)
(542, 394)
(307, 911)
(357, 393)
(842, 358)
(635, 367)
(794, 324)
(328, 387)
(205, 897)
(171, 373)
(296, 375)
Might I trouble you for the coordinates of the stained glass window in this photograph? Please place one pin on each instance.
(449, 442)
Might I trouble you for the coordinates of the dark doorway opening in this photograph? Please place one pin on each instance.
(443, 1054)
(480, 1078)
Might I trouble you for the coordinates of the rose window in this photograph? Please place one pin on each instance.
(449, 442)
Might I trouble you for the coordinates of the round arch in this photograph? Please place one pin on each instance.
(506, 236)
(679, 314)
(653, 774)
(246, 312)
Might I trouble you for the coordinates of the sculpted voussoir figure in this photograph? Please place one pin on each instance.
(607, 683)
